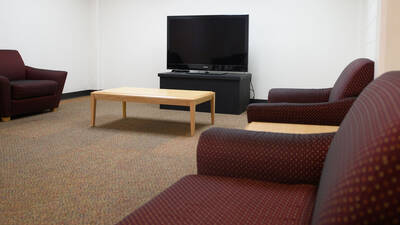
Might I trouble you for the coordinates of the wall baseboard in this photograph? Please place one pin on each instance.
(76, 94)
(252, 100)
(87, 93)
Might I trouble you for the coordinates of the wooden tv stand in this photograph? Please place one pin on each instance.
(232, 90)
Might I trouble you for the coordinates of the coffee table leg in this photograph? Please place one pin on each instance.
(212, 103)
(93, 108)
(124, 109)
(192, 118)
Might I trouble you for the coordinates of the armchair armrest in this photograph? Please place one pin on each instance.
(42, 74)
(293, 95)
(5, 97)
(326, 113)
(273, 157)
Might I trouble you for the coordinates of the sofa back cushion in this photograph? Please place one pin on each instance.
(354, 78)
(11, 65)
(360, 181)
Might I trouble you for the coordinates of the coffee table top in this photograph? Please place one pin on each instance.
(291, 128)
(155, 93)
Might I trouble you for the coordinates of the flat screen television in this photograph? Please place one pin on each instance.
(208, 42)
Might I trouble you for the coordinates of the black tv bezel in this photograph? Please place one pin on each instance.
(210, 67)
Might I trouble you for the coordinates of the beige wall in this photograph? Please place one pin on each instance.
(369, 37)
(389, 44)
(369, 42)
(294, 44)
(52, 34)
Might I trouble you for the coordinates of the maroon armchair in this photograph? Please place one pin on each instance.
(25, 89)
(248, 177)
(315, 106)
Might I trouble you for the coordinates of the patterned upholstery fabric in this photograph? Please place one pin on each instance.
(32, 88)
(33, 105)
(326, 113)
(360, 183)
(274, 157)
(218, 200)
(354, 78)
(11, 65)
(22, 88)
(315, 106)
(293, 95)
(54, 75)
(5, 96)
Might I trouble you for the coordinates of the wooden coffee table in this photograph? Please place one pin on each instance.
(291, 128)
(155, 96)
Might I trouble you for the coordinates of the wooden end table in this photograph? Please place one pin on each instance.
(291, 128)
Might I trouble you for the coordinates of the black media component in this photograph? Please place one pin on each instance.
(181, 71)
(232, 90)
(211, 43)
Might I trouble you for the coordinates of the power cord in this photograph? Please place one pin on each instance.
(252, 90)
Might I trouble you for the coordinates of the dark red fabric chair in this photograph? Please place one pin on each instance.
(248, 177)
(315, 106)
(25, 89)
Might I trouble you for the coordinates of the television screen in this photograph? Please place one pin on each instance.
(215, 43)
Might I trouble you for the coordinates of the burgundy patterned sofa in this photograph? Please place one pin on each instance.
(25, 89)
(315, 106)
(248, 177)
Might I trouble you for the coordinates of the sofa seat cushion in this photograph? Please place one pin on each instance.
(21, 89)
(197, 199)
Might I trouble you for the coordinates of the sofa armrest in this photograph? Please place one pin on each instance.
(5, 97)
(326, 113)
(42, 74)
(293, 95)
(273, 157)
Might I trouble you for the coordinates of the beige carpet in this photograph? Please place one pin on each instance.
(55, 169)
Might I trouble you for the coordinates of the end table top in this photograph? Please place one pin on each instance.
(291, 128)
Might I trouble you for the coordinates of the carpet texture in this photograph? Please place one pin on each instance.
(56, 169)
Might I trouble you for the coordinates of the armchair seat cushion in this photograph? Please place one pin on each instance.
(21, 89)
(198, 199)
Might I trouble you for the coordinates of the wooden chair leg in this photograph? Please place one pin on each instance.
(5, 119)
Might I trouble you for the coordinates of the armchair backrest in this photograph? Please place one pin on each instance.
(11, 65)
(354, 78)
(360, 181)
